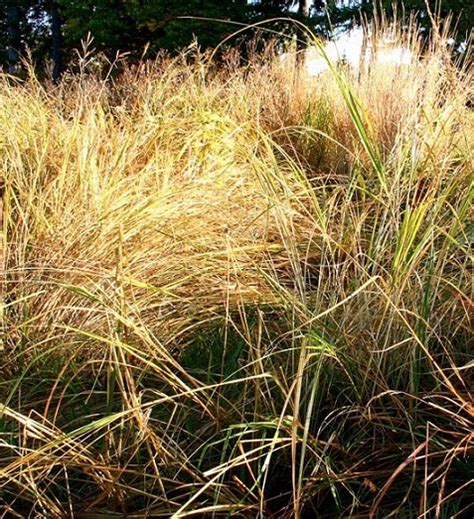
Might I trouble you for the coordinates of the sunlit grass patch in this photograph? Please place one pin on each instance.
(236, 293)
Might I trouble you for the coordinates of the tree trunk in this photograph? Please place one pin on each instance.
(304, 7)
(302, 42)
(56, 41)
(14, 40)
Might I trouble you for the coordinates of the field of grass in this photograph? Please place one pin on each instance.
(238, 291)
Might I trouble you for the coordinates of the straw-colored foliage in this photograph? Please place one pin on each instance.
(238, 291)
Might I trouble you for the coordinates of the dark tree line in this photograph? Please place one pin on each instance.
(52, 28)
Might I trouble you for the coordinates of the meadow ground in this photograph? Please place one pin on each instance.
(238, 291)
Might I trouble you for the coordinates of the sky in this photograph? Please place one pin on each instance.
(348, 46)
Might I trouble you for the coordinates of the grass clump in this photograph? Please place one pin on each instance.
(227, 292)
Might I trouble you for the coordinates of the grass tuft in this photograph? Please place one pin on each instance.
(227, 293)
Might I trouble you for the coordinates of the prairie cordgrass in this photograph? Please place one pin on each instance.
(238, 291)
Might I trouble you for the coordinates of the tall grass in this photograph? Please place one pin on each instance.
(230, 293)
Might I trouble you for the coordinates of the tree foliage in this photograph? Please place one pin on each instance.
(130, 25)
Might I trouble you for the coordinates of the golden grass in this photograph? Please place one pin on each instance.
(225, 288)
